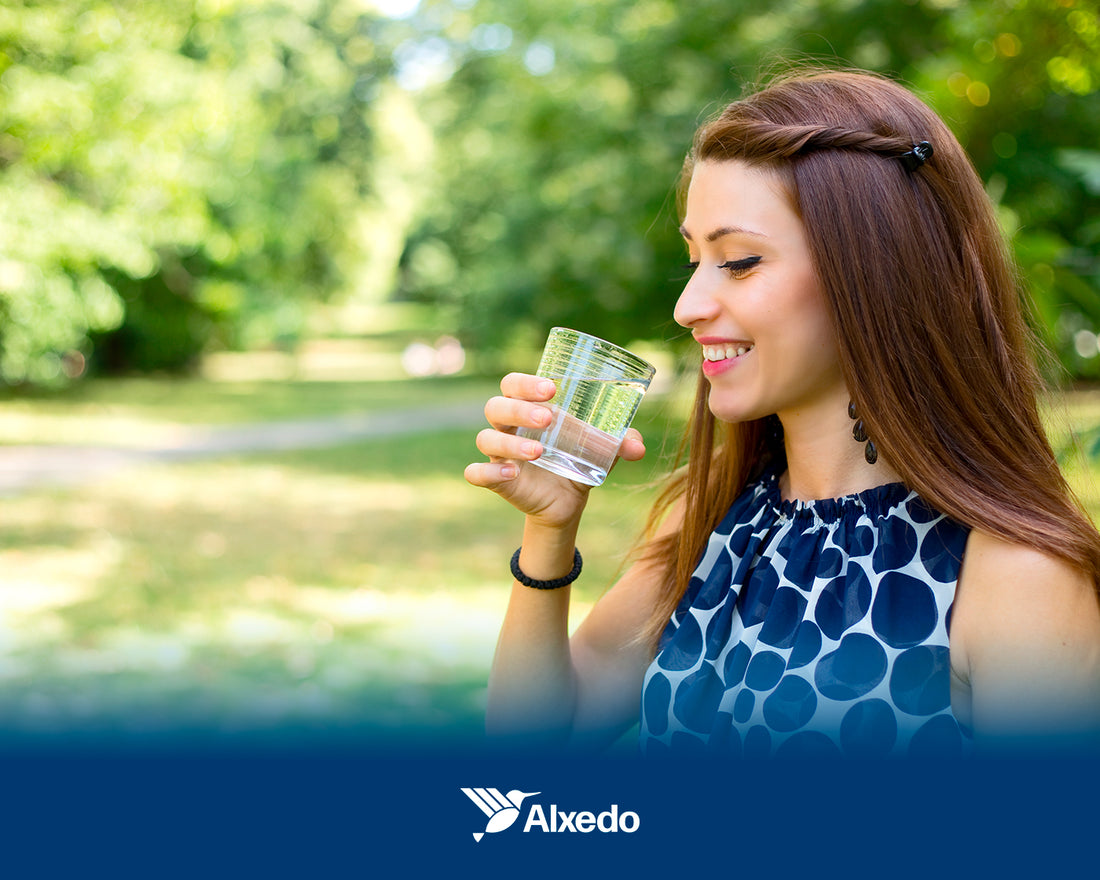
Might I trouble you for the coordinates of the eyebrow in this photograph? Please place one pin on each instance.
(723, 231)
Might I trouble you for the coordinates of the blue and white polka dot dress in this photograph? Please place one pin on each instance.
(814, 627)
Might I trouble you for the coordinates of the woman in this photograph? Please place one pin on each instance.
(871, 549)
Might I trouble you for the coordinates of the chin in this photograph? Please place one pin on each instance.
(727, 411)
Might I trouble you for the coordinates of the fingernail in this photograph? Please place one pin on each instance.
(546, 387)
(509, 471)
(529, 448)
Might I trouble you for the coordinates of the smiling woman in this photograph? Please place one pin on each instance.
(753, 302)
(870, 549)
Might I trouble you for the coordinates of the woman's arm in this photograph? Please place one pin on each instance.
(531, 684)
(582, 692)
(1025, 642)
(540, 686)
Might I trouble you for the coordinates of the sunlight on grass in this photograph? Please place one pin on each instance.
(48, 577)
(149, 412)
(354, 591)
(252, 594)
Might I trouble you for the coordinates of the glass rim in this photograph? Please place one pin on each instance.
(623, 353)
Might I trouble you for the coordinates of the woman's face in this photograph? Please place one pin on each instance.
(753, 301)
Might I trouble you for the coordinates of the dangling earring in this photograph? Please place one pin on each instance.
(860, 434)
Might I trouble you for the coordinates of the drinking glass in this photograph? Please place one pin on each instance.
(599, 386)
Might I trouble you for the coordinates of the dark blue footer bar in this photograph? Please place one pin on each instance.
(377, 814)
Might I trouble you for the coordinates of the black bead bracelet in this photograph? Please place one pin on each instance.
(547, 585)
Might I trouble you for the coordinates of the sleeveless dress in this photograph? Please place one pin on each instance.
(812, 628)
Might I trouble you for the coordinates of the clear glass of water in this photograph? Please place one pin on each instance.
(599, 387)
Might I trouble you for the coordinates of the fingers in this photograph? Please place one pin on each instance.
(508, 413)
(520, 405)
(527, 387)
(500, 444)
(633, 447)
(490, 475)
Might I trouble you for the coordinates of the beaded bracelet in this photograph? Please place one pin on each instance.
(547, 585)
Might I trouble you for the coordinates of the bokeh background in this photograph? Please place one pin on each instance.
(262, 262)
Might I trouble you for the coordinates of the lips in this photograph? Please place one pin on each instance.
(720, 354)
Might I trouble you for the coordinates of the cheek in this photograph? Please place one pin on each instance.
(827, 354)
(810, 305)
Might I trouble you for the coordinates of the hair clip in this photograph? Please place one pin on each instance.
(917, 156)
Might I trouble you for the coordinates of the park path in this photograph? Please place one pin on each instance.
(27, 467)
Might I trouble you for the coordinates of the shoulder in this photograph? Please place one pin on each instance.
(1008, 589)
(1025, 634)
(1004, 573)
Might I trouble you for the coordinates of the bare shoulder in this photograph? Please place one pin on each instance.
(1014, 585)
(1025, 638)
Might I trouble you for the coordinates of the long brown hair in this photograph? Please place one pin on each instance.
(933, 339)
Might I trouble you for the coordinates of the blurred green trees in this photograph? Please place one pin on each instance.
(569, 120)
(176, 173)
(181, 176)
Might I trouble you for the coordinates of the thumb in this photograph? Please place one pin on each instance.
(633, 447)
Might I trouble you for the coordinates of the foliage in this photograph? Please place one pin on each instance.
(567, 121)
(176, 173)
(181, 176)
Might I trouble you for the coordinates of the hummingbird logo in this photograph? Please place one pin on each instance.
(502, 810)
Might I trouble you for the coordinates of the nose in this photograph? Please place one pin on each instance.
(697, 303)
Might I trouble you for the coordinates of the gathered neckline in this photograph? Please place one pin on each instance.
(873, 502)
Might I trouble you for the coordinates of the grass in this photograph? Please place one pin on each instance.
(136, 411)
(334, 595)
(349, 593)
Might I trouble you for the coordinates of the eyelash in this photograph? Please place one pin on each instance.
(736, 268)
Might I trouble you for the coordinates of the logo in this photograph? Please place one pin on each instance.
(503, 811)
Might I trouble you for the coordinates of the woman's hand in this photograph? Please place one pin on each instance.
(547, 498)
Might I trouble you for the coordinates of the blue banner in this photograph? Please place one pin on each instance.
(262, 810)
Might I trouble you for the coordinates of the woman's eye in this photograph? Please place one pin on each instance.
(739, 267)
(736, 268)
